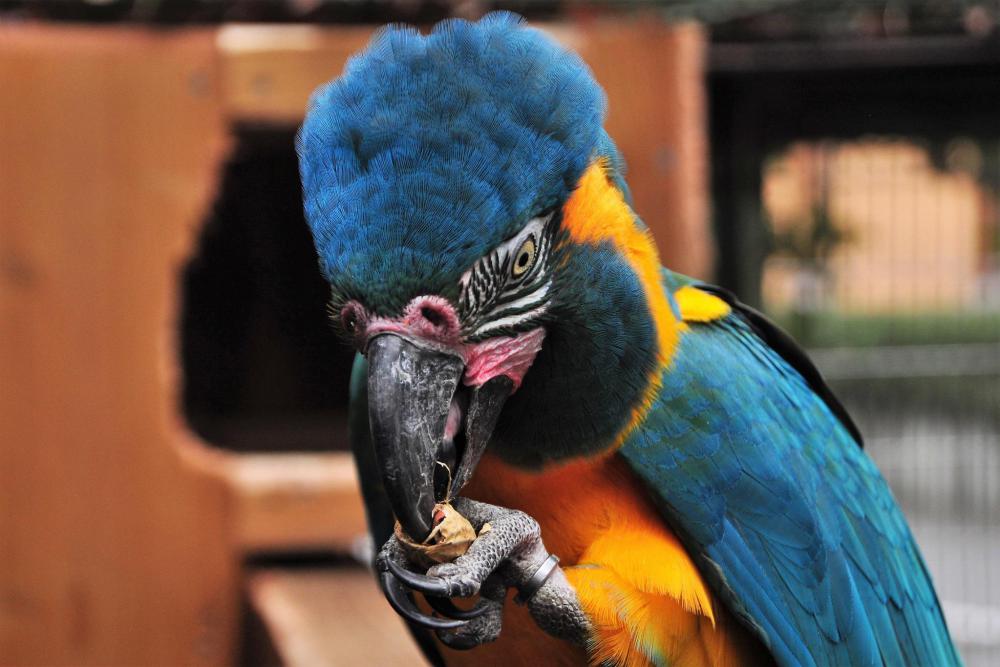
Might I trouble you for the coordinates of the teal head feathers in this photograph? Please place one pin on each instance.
(430, 151)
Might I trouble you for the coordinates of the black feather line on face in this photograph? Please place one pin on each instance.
(491, 284)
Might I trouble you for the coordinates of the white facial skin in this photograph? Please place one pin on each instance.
(510, 285)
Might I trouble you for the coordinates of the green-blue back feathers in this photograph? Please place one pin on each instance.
(787, 517)
(430, 150)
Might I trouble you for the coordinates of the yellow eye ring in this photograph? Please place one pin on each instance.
(524, 258)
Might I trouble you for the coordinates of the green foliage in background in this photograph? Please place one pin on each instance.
(827, 329)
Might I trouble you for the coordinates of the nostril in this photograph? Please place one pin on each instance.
(433, 315)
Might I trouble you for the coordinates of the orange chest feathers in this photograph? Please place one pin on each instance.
(647, 601)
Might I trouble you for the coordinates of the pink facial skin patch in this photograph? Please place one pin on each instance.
(510, 356)
(427, 318)
(433, 321)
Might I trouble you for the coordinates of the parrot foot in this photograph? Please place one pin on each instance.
(510, 555)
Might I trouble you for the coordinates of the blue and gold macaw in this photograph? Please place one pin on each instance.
(665, 476)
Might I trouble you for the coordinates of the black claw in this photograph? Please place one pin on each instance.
(459, 642)
(420, 582)
(405, 607)
(446, 607)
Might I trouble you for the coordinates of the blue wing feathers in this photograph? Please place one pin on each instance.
(794, 527)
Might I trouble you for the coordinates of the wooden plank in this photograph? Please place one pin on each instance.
(288, 502)
(330, 617)
(269, 72)
(112, 551)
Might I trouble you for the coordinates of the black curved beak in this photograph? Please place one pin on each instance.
(411, 390)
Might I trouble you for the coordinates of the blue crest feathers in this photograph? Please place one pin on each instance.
(430, 150)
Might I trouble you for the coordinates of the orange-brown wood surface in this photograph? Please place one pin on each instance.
(269, 72)
(653, 75)
(289, 502)
(330, 617)
(112, 551)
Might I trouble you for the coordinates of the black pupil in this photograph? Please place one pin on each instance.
(523, 259)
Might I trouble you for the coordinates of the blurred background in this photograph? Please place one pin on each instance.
(174, 485)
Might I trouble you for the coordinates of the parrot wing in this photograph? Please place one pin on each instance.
(757, 468)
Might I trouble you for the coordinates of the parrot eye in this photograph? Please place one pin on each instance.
(508, 289)
(350, 318)
(525, 257)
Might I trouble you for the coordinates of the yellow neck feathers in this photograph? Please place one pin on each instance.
(597, 212)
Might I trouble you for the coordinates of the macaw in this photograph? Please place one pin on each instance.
(666, 477)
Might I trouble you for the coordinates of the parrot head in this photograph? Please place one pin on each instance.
(470, 215)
